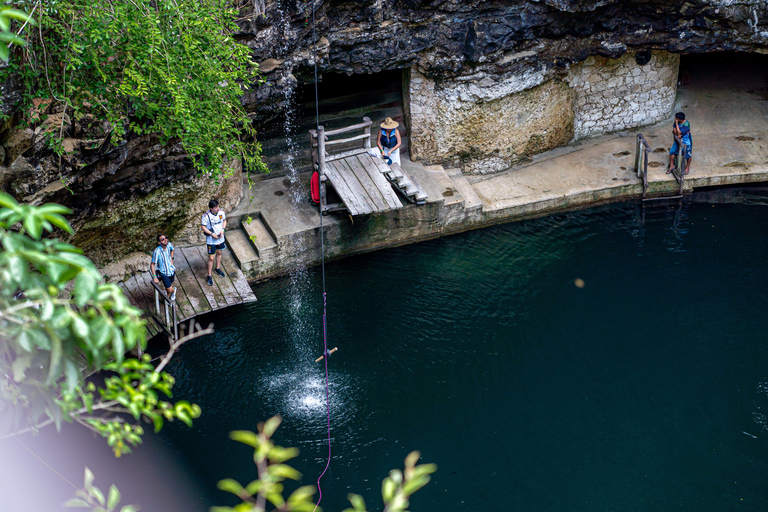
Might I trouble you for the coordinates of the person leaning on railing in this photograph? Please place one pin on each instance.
(162, 267)
(682, 130)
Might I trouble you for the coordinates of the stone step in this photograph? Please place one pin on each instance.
(471, 200)
(241, 249)
(259, 236)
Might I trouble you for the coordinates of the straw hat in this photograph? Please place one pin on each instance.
(389, 124)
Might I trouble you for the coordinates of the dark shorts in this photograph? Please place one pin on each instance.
(167, 280)
(687, 149)
(213, 248)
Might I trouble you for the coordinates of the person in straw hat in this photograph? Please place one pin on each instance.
(389, 141)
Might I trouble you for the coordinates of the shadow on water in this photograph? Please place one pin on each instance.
(645, 389)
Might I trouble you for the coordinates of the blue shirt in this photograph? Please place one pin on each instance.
(162, 260)
(685, 132)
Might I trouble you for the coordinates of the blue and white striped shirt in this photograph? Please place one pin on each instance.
(162, 260)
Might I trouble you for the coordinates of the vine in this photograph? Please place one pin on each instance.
(168, 68)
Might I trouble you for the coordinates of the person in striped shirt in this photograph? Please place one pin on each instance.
(162, 267)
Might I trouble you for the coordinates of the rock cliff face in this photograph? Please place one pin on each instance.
(486, 83)
(450, 39)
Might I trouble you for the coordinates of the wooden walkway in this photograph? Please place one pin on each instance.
(193, 295)
(361, 185)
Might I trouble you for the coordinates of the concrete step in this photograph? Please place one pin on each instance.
(471, 200)
(259, 236)
(241, 249)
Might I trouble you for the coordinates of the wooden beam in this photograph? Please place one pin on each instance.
(366, 123)
(345, 193)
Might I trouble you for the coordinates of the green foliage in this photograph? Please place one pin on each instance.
(92, 497)
(56, 319)
(170, 68)
(7, 37)
(270, 460)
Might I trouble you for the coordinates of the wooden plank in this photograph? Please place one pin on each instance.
(365, 162)
(357, 189)
(374, 194)
(371, 165)
(183, 304)
(341, 156)
(225, 285)
(238, 279)
(126, 287)
(344, 141)
(145, 285)
(132, 285)
(347, 196)
(192, 289)
(198, 261)
(352, 128)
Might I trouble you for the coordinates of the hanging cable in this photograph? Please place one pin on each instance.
(322, 266)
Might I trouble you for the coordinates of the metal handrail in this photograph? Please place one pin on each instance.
(641, 161)
(679, 171)
(169, 318)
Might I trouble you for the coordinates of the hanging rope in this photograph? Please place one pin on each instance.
(322, 266)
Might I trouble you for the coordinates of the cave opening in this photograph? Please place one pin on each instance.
(343, 100)
(725, 70)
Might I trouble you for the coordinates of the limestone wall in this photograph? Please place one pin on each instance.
(616, 94)
(486, 124)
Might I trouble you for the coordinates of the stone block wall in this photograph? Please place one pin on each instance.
(616, 94)
(488, 123)
(485, 125)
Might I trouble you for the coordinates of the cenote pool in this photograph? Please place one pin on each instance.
(647, 389)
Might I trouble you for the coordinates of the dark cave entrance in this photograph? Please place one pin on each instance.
(725, 70)
(343, 100)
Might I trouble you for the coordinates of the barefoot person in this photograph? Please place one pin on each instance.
(162, 267)
(214, 223)
(682, 130)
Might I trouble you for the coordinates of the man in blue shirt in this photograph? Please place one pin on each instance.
(162, 267)
(682, 130)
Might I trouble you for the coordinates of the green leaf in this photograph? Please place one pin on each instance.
(32, 223)
(283, 471)
(25, 341)
(270, 426)
(80, 327)
(245, 437)
(72, 374)
(76, 502)
(231, 486)
(5, 23)
(7, 201)
(88, 480)
(17, 15)
(129, 508)
(357, 502)
(113, 498)
(4, 52)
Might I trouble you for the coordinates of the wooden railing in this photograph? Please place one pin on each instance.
(168, 317)
(319, 142)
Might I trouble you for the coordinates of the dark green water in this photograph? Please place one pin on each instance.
(645, 390)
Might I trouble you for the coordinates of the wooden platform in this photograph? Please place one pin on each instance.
(193, 295)
(361, 185)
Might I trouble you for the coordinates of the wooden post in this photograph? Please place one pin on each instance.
(167, 320)
(157, 302)
(321, 166)
(367, 131)
(175, 322)
(313, 148)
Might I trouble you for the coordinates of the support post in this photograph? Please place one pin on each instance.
(367, 131)
(312, 146)
(175, 322)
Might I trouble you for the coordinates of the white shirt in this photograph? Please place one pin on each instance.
(214, 224)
